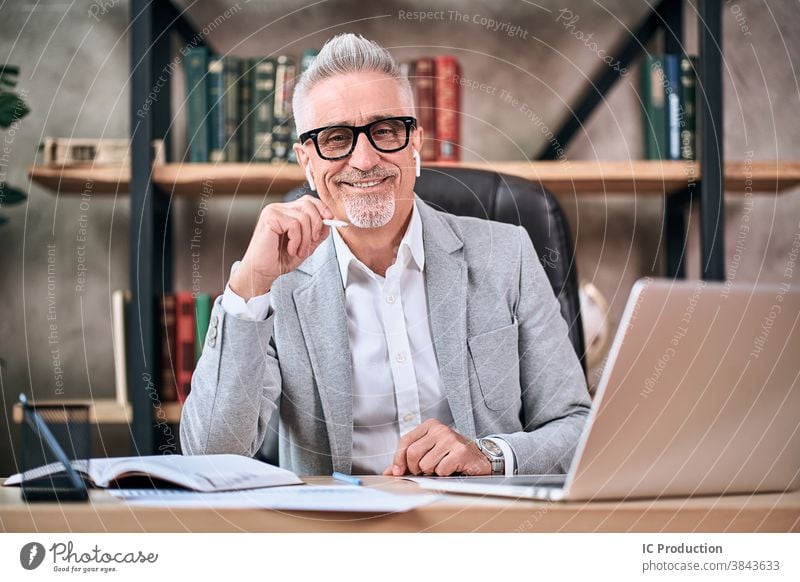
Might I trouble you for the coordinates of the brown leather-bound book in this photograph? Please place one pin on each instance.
(166, 326)
(447, 100)
(184, 335)
(422, 82)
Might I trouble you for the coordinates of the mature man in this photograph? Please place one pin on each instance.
(410, 341)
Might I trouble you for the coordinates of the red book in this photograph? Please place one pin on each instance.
(447, 99)
(422, 83)
(166, 320)
(184, 339)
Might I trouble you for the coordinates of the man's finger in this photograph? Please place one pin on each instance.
(304, 220)
(323, 209)
(411, 436)
(294, 234)
(451, 463)
(416, 451)
(428, 463)
(311, 209)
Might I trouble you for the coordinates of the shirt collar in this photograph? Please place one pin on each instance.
(411, 249)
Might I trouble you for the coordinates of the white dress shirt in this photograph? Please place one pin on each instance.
(387, 322)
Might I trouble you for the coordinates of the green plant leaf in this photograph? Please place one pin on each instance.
(10, 195)
(12, 107)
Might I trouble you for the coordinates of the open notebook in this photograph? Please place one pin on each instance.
(205, 473)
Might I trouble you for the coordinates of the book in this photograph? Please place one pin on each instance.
(119, 299)
(447, 101)
(216, 109)
(654, 114)
(423, 86)
(202, 314)
(72, 151)
(231, 72)
(306, 60)
(689, 103)
(245, 126)
(285, 71)
(672, 102)
(224, 108)
(196, 67)
(263, 105)
(168, 388)
(184, 340)
(206, 473)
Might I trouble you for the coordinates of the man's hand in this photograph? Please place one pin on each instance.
(285, 236)
(433, 448)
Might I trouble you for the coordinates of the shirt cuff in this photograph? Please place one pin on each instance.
(508, 454)
(254, 309)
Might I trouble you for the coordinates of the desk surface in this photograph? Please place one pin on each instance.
(454, 513)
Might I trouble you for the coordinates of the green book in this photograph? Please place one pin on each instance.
(653, 94)
(202, 314)
(673, 105)
(262, 96)
(216, 110)
(196, 67)
(689, 102)
(223, 108)
(245, 111)
(232, 72)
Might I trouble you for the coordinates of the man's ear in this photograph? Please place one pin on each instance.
(416, 139)
(302, 156)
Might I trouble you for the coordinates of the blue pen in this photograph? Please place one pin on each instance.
(346, 478)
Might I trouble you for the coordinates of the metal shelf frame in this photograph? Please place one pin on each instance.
(151, 271)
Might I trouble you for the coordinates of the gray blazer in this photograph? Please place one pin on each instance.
(505, 359)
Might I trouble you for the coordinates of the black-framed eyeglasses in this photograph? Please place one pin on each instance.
(336, 142)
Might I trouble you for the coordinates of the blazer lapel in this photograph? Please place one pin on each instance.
(446, 283)
(322, 313)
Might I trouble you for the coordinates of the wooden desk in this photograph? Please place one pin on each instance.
(455, 513)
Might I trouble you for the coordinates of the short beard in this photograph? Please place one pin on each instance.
(369, 210)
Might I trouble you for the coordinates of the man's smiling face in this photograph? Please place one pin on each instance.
(369, 189)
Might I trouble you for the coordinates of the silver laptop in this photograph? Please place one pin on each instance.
(700, 395)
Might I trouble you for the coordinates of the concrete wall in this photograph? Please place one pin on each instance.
(56, 339)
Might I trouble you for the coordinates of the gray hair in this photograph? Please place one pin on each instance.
(343, 54)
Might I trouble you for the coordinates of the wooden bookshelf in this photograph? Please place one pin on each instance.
(108, 411)
(579, 177)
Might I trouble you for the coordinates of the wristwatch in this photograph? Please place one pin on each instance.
(495, 455)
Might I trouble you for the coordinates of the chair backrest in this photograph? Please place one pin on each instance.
(513, 200)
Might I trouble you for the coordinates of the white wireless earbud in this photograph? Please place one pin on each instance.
(417, 162)
(310, 178)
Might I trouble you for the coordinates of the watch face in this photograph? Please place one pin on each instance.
(492, 448)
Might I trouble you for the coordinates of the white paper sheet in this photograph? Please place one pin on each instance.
(291, 498)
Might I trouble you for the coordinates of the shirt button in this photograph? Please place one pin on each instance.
(401, 357)
(390, 299)
(408, 417)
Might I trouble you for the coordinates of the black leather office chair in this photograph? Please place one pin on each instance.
(513, 200)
